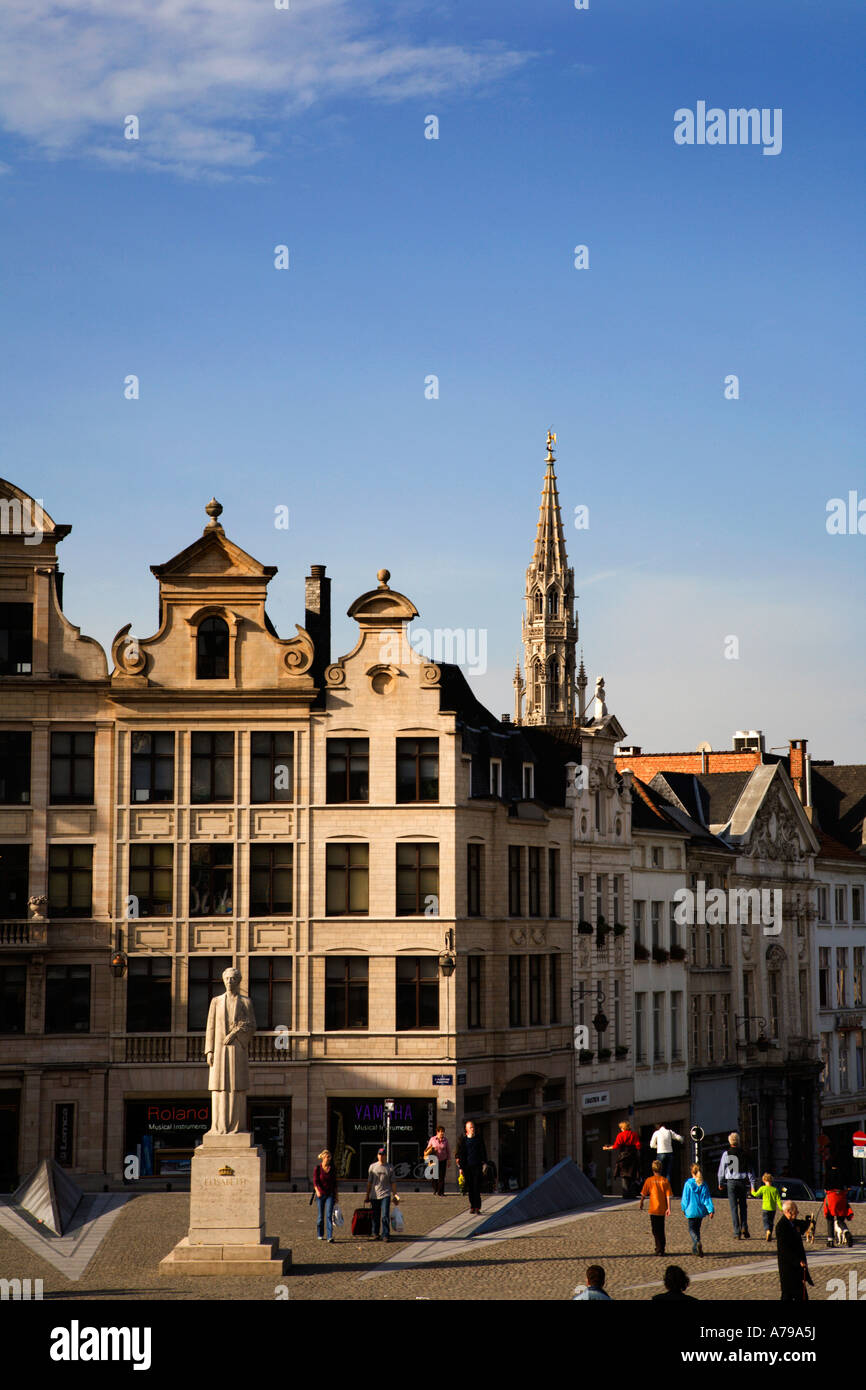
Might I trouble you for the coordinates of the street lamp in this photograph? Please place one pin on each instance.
(762, 1042)
(448, 957)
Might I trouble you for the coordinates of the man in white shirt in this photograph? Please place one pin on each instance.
(663, 1143)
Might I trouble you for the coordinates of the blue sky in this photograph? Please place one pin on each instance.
(454, 257)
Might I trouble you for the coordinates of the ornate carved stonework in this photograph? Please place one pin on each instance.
(775, 834)
(37, 906)
(299, 652)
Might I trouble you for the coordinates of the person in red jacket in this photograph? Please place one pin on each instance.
(626, 1147)
(837, 1212)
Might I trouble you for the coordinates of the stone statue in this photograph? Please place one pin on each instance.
(231, 1024)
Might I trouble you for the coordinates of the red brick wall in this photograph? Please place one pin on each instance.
(646, 765)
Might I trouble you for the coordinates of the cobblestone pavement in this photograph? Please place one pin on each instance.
(543, 1264)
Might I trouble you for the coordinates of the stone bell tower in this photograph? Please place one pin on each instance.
(549, 622)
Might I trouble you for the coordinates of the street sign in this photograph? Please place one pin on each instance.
(591, 1100)
(443, 1079)
(696, 1133)
(859, 1137)
(461, 1078)
(859, 1151)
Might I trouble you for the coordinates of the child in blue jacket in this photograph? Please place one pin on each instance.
(696, 1203)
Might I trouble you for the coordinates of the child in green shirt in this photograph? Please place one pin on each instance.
(771, 1202)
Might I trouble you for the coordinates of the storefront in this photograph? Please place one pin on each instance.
(9, 1106)
(839, 1123)
(164, 1133)
(356, 1128)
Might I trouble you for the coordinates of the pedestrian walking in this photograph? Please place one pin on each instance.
(626, 1150)
(380, 1189)
(325, 1188)
(736, 1173)
(696, 1203)
(771, 1202)
(793, 1269)
(659, 1191)
(471, 1158)
(593, 1290)
(662, 1140)
(437, 1147)
(676, 1282)
(838, 1213)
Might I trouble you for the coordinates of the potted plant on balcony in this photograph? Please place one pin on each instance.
(584, 1056)
(621, 1050)
(604, 1054)
(678, 953)
(584, 928)
(660, 955)
(640, 951)
(619, 929)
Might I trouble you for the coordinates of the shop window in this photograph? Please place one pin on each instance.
(272, 767)
(14, 768)
(271, 875)
(72, 769)
(67, 998)
(152, 769)
(148, 995)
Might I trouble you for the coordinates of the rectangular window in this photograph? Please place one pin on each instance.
(515, 991)
(67, 998)
(205, 982)
(534, 878)
(152, 767)
(70, 880)
(148, 995)
(856, 904)
(473, 879)
(417, 769)
(495, 776)
(639, 916)
(841, 976)
(346, 992)
(211, 880)
(723, 945)
(841, 902)
(347, 880)
(843, 1061)
(676, 1026)
(599, 814)
(726, 1028)
(711, 1027)
(640, 1028)
(553, 883)
(271, 991)
(474, 979)
(151, 880)
(417, 880)
(804, 1003)
(823, 904)
(535, 1006)
(658, 857)
(14, 768)
(693, 944)
(514, 888)
(271, 880)
(72, 769)
(14, 868)
(617, 1013)
(859, 1060)
(600, 897)
(824, 977)
(16, 639)
(696, 1030)
(348, 769)
(13, 995)
(748, 1005)
(581, 898)
(213, 768)
(708, 945)
(674, 926)
(417, 992)
(857, 975)
(528, 781)
(272, 767)
(553, 988)
(656, 912)
(658, 1027)
(773, 998)
(617, 897)
(827, 1059)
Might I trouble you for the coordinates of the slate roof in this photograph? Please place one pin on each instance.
(839, 798)
(707, 797)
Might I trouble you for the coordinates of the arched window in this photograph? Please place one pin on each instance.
(553, 603)
(553, 682)
(536, 685)
(212, 650)
(539, 604)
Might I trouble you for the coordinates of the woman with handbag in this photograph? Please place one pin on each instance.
(437, 1147)
(325, 1189)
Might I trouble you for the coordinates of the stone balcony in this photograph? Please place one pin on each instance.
(27, 935)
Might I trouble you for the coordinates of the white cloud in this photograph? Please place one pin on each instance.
(213, 82)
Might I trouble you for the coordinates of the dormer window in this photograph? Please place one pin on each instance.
(528, 781)
(495, 776)
(212, 650)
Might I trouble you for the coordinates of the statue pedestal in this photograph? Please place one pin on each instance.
(227, 1212)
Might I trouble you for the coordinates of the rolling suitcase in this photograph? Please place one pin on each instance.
(362, 1221)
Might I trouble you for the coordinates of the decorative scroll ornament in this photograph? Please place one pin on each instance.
(299, 652)
(127, 654)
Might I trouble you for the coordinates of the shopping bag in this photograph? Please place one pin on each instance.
(338, 1217)
(397, 1222)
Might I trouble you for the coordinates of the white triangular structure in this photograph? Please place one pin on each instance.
(49, 1195)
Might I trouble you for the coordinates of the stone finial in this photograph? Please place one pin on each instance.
(551, 440)
(383, 576)
(214, 511)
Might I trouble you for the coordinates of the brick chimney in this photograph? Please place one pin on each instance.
(317, 621)
(797, 766)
